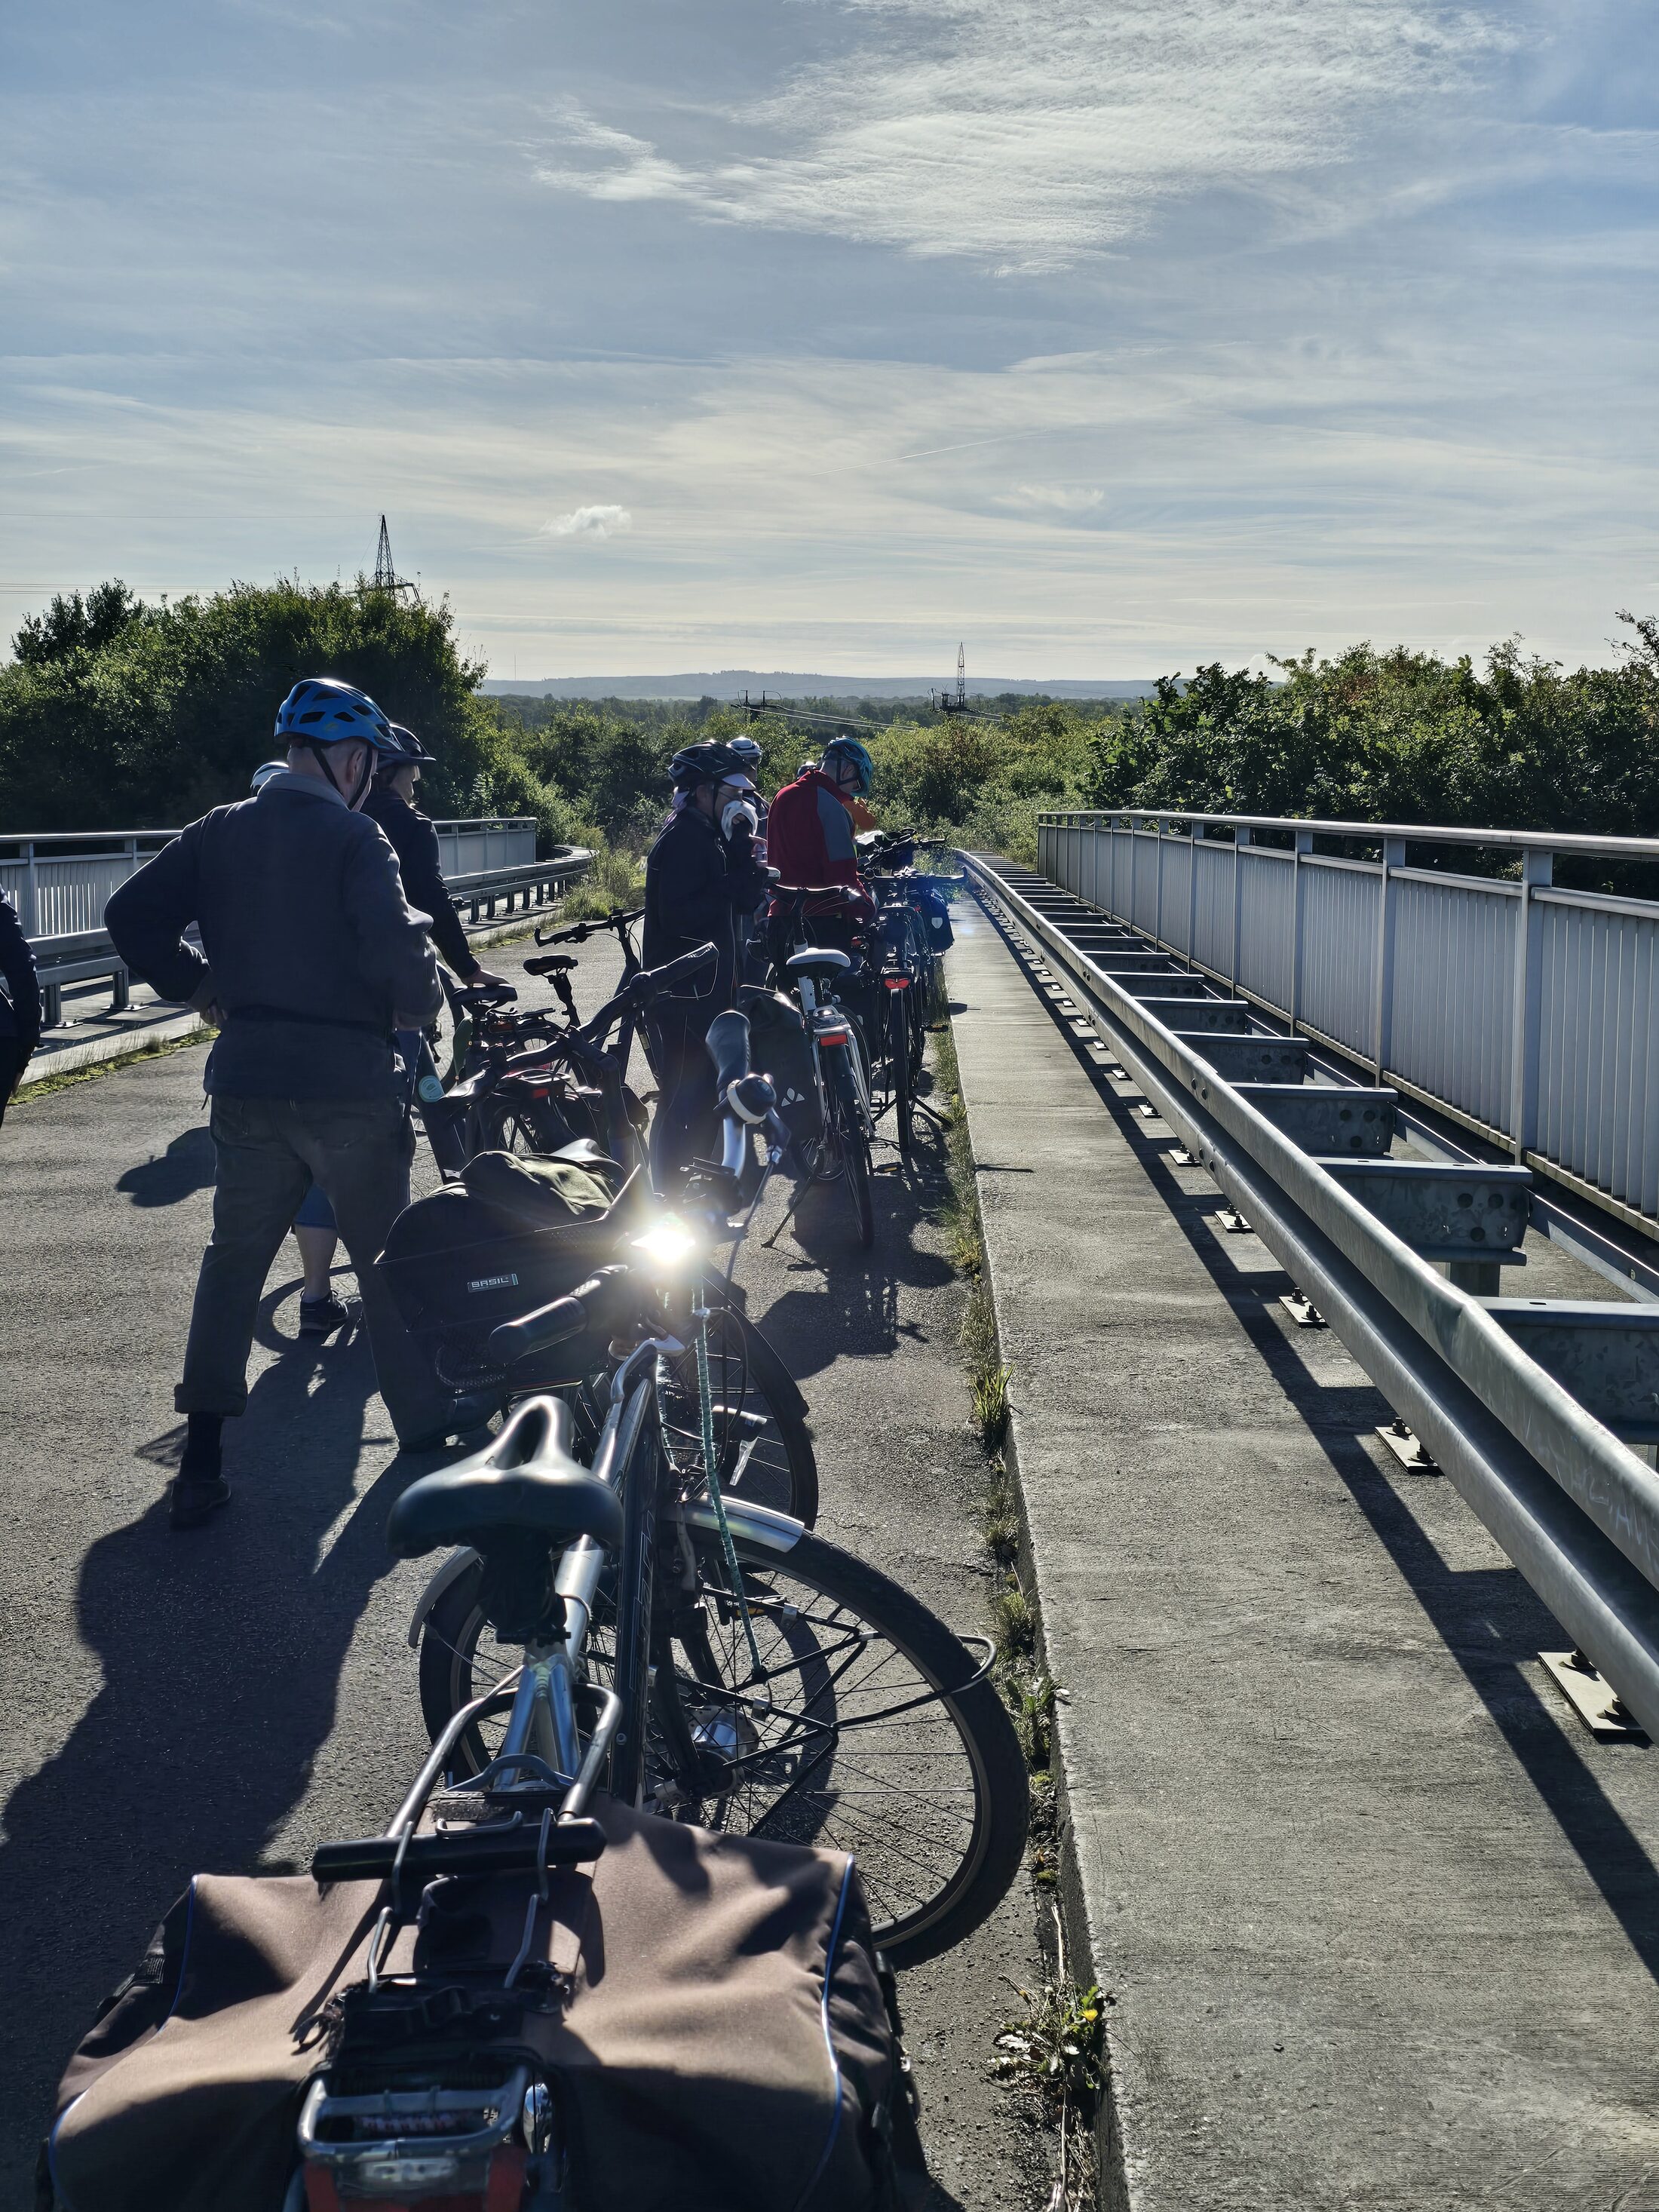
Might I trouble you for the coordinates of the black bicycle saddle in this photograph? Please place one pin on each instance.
(525, 1481)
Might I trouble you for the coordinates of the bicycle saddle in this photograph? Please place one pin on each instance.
(525, 1482)
(818, 960)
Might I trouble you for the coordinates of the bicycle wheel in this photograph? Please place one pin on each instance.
(854, 1148)
(878, 1740)
(904, 1072)
(764, 1453)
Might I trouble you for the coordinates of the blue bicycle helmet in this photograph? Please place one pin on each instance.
(847, 749)
(320, 711)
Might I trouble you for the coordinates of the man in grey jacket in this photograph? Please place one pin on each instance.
(310, 958)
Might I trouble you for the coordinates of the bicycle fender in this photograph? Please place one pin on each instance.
(452, 1571)
(756, 1524)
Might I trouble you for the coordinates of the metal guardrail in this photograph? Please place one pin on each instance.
(1572, 1506)
(60, 881)
(1526, 1011)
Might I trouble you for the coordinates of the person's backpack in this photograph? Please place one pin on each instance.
(691, 2020)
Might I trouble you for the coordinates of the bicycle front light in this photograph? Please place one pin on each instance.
(666, 1245)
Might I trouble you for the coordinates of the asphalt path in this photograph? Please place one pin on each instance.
(231, 1697)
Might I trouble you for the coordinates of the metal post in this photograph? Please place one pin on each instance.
(1193, 840)
(31, 913)
(1304, 844)
(1161, 831)
(1394, 856)
(1536, 868)
(1241, 838)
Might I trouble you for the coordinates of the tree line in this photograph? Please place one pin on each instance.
(115, 713)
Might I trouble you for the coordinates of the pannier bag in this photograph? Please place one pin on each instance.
(779, 1048)
(934, 908)
(515, 1235)
(692, 2021)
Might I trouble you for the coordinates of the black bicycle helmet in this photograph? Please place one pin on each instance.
(709, 761)
(411, 753)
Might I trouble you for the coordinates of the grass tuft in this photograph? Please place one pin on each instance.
(48, 1085)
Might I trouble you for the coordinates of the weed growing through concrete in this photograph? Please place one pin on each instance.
(1055, 2052)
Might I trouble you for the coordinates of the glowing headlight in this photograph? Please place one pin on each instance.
(667, 1244)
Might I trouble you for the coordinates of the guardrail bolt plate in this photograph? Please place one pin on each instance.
(1408, 1448)
(1593, 1698)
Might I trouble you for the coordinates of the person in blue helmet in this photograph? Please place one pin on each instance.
(390, 802)
(311, 957)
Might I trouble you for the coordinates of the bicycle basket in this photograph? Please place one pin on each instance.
(456, 1265)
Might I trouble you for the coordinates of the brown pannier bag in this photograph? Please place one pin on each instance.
(704, 2009)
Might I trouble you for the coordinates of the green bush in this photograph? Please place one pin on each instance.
(115, 714)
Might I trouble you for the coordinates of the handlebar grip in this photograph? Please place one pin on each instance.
(550, 1325)
(728, 1048)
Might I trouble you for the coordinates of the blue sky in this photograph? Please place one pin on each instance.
(821, 334)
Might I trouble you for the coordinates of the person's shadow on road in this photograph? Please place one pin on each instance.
(220, 1651)
(184, 1167)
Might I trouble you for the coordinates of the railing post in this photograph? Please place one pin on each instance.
(1161, 830)
(1304, 844)
(1526, 1040)
(30, 916)
(1192, 890)
(1394, 856)
(1241, 838)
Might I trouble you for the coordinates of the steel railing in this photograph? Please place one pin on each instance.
(61, 881)
(1526, 1011)
(1575, 1509)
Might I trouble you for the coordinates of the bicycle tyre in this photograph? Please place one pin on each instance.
(854, 1148)
(792, 1488)
(983, 1752)
(903, 1071)
(994, 1834)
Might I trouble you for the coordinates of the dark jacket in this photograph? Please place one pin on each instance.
(20, 1002)
(414, 842)
(313, 953)
(699, 890)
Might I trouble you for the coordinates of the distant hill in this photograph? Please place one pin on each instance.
(732, 682)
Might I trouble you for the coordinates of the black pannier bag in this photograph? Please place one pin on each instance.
(935, 911)
(515, 1235)
(693, 2020)
(779, 1048)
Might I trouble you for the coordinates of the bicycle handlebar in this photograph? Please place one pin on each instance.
(578, 933)
(552, 1324)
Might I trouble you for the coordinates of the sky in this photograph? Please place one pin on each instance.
(823, 334)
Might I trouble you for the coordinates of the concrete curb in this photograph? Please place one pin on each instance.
(124, 1044)
(1082, 1965)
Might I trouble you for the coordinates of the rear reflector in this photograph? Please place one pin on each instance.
(834, 1036)
(897, 982)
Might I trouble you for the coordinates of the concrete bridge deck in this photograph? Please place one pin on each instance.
(1380, 1919)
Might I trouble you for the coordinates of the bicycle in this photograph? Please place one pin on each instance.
(735, 1670)
(816, 976)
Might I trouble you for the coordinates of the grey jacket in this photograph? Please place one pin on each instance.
(309, 947)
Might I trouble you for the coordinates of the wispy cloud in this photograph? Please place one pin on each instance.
(589, 522)
(1053, 499)
(1034, 136)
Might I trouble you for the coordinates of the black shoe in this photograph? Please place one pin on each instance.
(322, 1316)
(193, 1501)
